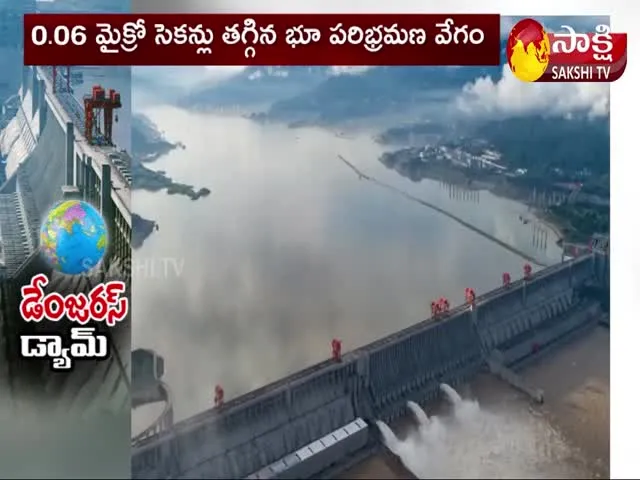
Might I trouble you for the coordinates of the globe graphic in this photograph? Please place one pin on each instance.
(528, 50)
(73, 237)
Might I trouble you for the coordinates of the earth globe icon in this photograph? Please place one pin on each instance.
(73, 237)
(528, 50)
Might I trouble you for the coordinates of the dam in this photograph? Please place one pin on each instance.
(320, 421)
(47, 158)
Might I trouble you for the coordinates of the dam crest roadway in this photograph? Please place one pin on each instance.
(321, 420)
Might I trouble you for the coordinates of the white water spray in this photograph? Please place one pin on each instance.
(390, 439)
(419, 413)
(453, 396)
(474, 443)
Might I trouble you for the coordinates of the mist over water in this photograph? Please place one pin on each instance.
(291, 250)
(39, 439)
(474, 442)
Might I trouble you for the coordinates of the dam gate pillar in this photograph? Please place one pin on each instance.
(106, 203)
(86, 180)
(78, 166)
(363, 401)
(473, 313)
(42, 107)
(68, 154)
(25, 80)
(35, 91)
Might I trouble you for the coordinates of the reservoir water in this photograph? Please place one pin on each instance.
(291, 249)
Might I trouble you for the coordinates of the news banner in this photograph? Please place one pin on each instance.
(533, 53)
(103, 303)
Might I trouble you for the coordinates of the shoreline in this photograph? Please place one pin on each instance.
(495, 239)
(556, 229)
(500, 188)
(148, 180)
(142, 229)
(573, 212)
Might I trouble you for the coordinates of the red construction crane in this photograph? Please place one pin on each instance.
(443, 305)
(440, 306)
(99, 101)
(470, 296)
(55, 79)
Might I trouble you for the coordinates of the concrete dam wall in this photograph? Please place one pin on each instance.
(34, 145)
(19, 137)
(283, 427)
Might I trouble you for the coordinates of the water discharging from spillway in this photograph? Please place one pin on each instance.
(472, 442)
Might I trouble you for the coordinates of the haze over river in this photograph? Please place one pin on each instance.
(291, 250)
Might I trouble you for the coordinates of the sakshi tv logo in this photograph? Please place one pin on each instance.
(537, 55)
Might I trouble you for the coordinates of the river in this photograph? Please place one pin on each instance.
(291, 249)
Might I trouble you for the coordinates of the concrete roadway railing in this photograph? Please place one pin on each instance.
(164, 420)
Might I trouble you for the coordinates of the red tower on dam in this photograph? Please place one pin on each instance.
(218, 396)
(95, 104)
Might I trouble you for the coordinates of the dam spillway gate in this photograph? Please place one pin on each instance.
(312, 420)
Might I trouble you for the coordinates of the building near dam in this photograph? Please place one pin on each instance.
(321, 420)
(46, 157)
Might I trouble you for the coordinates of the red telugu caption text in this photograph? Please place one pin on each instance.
(103, 303)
